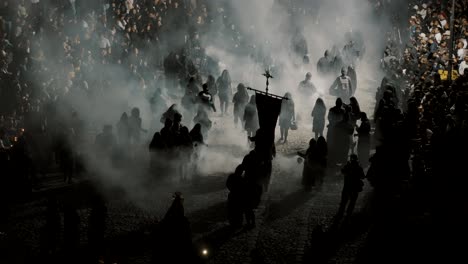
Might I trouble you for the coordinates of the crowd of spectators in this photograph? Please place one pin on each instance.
(54, 49)
(422, 116)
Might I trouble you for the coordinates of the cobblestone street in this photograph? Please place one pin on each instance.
(287, 217)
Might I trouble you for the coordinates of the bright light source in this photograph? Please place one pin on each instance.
(205, 252)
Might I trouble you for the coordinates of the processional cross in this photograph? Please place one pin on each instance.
(268, 76)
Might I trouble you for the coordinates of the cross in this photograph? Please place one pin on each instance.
(268, 76)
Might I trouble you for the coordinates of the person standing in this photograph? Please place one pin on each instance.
(123, 130)
(353, 184)
(342, 87)
(174, 236)
(240, 100)
(311, 163)
(363, 148)
(287, 116)
(236, 198)
(307, 87)
(250, 118)
(318, 115)
(135, 129)
(225, 91)
(212, 87)
(335, 115)
(206, 99)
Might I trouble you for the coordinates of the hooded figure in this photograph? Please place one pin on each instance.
(311, 162)
(123, 130)
(134, 123)
(236, 184)
(251, 123)
(174, 235)
(318, 115)
(240, 100)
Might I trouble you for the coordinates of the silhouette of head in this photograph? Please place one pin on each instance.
(338, 102)
(168, 123)
(252, 99)
(312, 143)
(197, 128)
(363, 116)
(240, 87)
(124, 117)
(177, 118)
(320, 102)
(136, 112)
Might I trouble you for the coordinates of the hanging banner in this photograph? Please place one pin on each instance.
(269, 109)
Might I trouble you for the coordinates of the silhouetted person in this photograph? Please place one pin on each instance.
(318, 115)
(236, 199)
(344, 133)
(196, 135)
(123, 130)
(212, 87)
(254, 168)
(250, 118)
(307, 87)
(353, 184)
(134, 124)
(311, 162)
(384, 115)
(206, 99)
(363, 148)
(225, 91)
(287, 117)
(353, 76)
(264, 152)
(325, 64)
(166, 133)
(240, 100)
(174, 237)
(169, 114)
(335, 115)
(354, 110)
